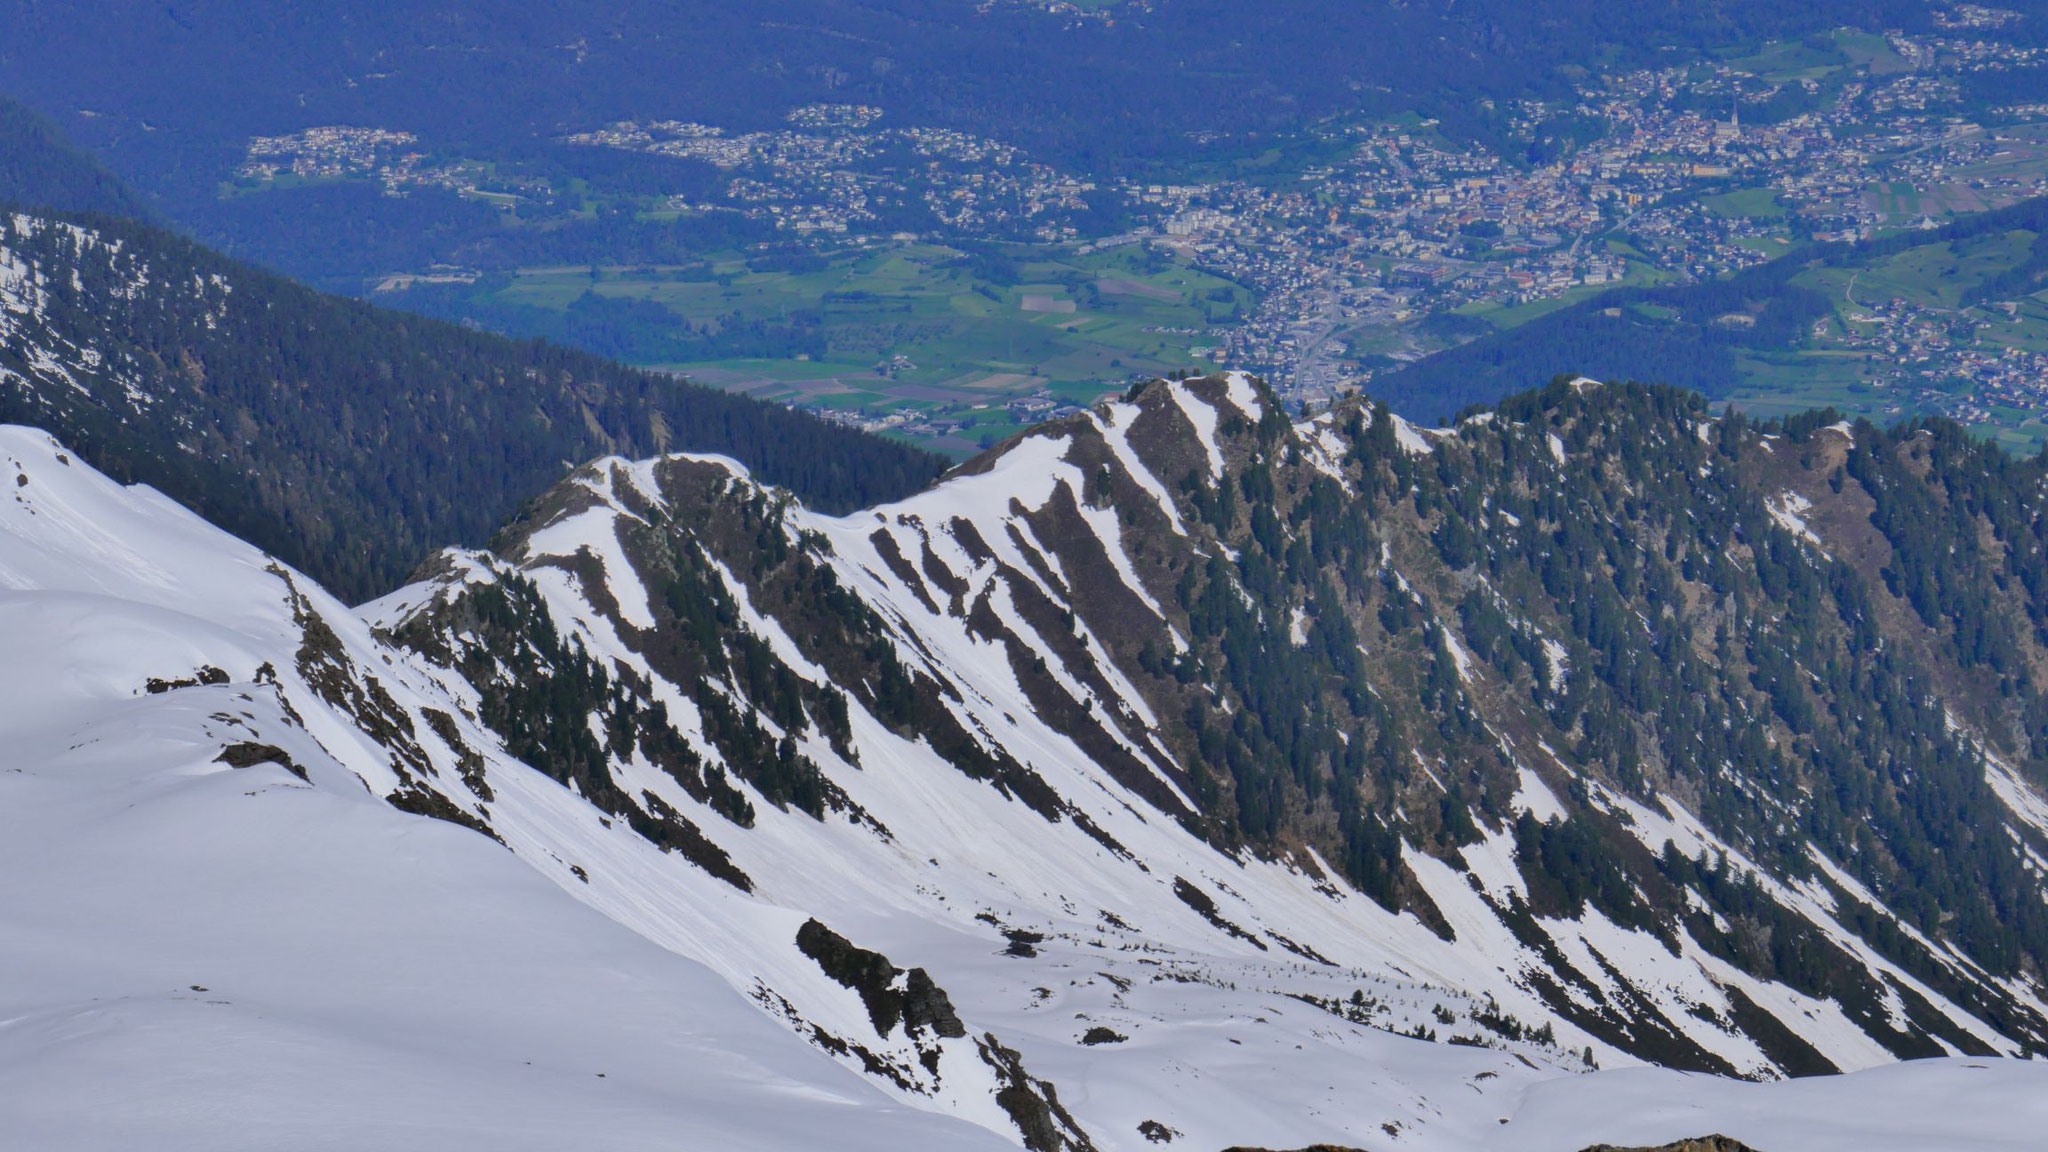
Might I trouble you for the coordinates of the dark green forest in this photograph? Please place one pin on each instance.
(1798, 698)
(351, 441)
(40, 169)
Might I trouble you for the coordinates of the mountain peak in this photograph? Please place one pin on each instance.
(1016, 744)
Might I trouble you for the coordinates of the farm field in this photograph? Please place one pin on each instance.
(912, 331)
(1918, 331)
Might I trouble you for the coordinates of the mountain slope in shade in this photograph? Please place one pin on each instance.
(363, 971)
(38, 169)
(351, 441)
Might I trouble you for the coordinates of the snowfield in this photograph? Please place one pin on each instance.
(195, 955)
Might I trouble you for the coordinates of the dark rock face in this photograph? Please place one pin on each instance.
(920, 1005)
(1699, 1144)
(926, 1006)
(868, 973)
(1310, 1148)
(205, 675)
(1033, 1105)
(248, 754)
(422, 801)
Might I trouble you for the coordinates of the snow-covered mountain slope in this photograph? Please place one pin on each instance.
(909, 782)
(213, 935)
(924, 725)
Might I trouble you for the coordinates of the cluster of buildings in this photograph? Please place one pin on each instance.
(847, 116)
(1974, 16)
(392, 158)
(1932, 360)
(1629, 181)
(1073, 11)
(1964, 55)
(834, 173)
(1410, 225)
(966, 422)
(331, 152)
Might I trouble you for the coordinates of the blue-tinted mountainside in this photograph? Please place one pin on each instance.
(38, 169)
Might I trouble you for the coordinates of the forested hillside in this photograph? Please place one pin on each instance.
(348, 440)
(39, 169)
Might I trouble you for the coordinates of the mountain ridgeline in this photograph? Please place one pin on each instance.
(345, 439)
(1676, 719)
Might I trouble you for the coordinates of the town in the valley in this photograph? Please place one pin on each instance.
(1393, 240)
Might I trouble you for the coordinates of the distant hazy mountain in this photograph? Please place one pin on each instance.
(1680, 334)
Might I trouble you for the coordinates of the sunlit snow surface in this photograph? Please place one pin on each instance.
(199, 957)
(194, 956)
